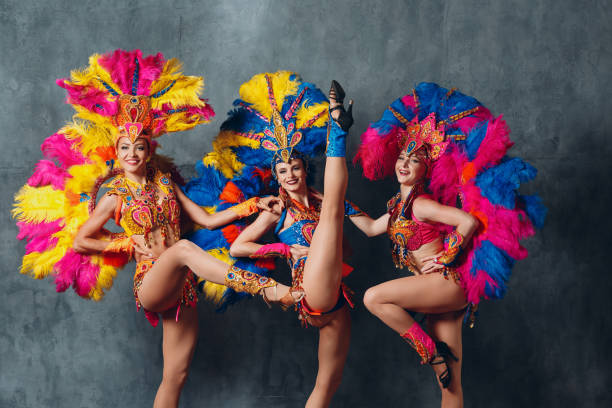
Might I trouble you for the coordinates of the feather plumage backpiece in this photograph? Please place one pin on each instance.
(238, 168)
(61, 192)
(474, 171)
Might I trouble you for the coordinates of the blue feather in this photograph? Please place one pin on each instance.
(497, 264)
(499, 184)
(475, 138)
(535, 209)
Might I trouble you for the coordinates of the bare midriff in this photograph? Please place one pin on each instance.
(426, 250)
(157, 243)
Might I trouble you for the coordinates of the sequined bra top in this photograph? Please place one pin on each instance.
(406, 233)
(141, 210)
(305, 220)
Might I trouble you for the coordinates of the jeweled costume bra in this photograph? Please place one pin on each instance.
(406, 233)
(140, 209)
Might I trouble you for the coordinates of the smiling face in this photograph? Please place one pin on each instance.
(133, 156)
(291, 176)
(410, 169)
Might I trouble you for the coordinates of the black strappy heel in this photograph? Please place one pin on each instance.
(345, 120)
(444, 352)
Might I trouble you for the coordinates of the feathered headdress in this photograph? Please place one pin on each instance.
(118, 92)
(277, 116)
(471, 167)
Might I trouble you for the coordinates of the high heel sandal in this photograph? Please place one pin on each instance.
(286, 301)
(443, 352)
(345, 120)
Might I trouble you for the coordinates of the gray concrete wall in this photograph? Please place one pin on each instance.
(543, 64)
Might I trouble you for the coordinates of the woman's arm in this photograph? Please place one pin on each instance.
(425, 209)
(369, 226)
(212, 221)
(465, 224)
(246, 243)
(84, 241)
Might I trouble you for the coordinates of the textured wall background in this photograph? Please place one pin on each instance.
(543, 64)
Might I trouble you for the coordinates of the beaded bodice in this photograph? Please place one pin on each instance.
(406, 233)
(142, 209)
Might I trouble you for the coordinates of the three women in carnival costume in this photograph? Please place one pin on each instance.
(443, 147)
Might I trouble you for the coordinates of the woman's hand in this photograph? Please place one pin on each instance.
(272, 204)
(431, 265)
(144, 252)
(298, 251)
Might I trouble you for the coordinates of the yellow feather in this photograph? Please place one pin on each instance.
(40, 264)
(90, 137)
(227, 138)
(84, 177)
(185, 91)
(105, 280)
(304, 114)
(183, 121)
(93, 120)
(255, 91)
(222, 157)
(37, 204)
(89, 76)
(75, 217)
(214, 292)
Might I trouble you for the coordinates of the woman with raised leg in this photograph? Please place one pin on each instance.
(310, 231)
(124, 114)
(445, 148)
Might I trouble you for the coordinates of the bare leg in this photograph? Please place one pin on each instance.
(334, 339)
(447, 328)
(323, 268)
(430, 293)
(178, 345)
(163, 284)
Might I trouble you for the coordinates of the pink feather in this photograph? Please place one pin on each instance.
(120, 64)
(151, 68)
(66, 270)
(76, 270)
(39, 235)
(408, 100)
(90, 98)
(47, 173)
(58, 147)
(377, 153)
(467, 123)
(87, 276)
(494, 145)
(195, 114)
(445, 176)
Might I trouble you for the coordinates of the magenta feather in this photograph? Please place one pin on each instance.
(66, 270)
(58, 147)
(47, 173)
(86, 278)
(151, 68)
(76, 270)
(90, 98)
(377, 153)
(39, 235)
(494, 145)
(120, 64)
(445, 176)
